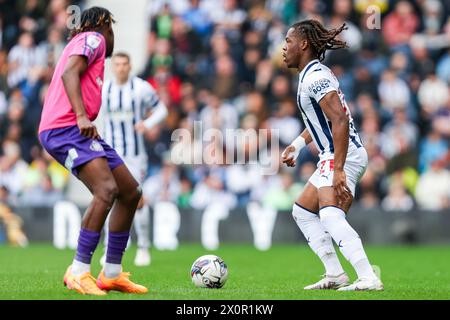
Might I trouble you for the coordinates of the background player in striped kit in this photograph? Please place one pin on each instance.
(125, 103)
(320, 211)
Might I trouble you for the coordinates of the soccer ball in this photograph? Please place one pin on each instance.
(209, 271)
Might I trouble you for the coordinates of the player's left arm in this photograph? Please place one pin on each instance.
(292, 151)
(332, 107)
(159, 109)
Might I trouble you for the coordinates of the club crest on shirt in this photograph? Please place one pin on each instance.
(99, 81)
(96, 146)
(93, 41)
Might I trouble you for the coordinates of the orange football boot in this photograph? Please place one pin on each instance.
(122, 283)
(84, 284)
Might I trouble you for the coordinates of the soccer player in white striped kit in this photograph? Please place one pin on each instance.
(126, 101)
(320, 211)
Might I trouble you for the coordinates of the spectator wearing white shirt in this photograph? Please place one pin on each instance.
(342, 11)
(163, 186)
(211, 190)
(433, 94)
(218, 114)
(433, 188)
(397, 198)
(12, 169)
(51, 49)
(399, 134)
(22, 57)
(393, 91)
(230, 19)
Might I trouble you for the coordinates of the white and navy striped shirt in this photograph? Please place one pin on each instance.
(122, 107)
(315, 81)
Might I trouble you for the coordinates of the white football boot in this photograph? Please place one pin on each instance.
(364, 285)
(330, 283)
(142, 258)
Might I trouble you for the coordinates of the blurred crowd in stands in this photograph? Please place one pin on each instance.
(219, 62)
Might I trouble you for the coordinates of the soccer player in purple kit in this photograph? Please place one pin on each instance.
(66, 131)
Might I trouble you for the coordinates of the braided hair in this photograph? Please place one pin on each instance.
(320, 38)
(92, 19)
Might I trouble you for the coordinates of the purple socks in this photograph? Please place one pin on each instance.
(117, 242)
(87, 242)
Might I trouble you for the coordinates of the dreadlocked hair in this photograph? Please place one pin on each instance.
(92, 19)
(320, 38)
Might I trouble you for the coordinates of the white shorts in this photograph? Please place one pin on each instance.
(354, 168)
(138, 167)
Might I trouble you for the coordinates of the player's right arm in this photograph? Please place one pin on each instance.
(292, 151)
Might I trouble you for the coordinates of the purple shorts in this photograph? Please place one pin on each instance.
(71, 149)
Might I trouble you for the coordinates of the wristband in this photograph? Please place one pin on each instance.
(299, 143)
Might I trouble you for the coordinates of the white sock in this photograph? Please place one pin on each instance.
(105, 232)
(333, 219)
(142, 227)
(318, 239)
(79, 268)
(364, 269)
(112, 270)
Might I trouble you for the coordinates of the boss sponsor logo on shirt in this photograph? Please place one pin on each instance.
(319, 85)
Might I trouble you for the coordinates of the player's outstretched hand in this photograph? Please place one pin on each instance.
(288, 156)
(342, 191)
(87, 128)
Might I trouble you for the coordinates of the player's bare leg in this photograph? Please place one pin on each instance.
(122, 214)
(141, 226)
(124, 208)
(98, 178)
(306, 214)
(333, 217)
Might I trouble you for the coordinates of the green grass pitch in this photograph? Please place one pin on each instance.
(280, 273)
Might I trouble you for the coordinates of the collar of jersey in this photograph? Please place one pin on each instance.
(114, 81)
(306, 69)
